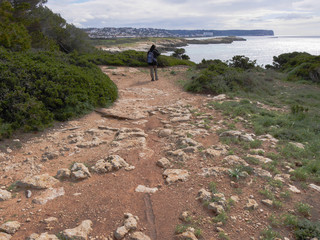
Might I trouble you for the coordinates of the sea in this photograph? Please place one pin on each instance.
(259, 48)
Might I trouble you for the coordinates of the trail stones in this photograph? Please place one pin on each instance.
(262, 173)
(42, 236)
(214, 171)
(261, 159)
(81, 232)
(315, 187)
(178, 155)
(163, 163)
(294, 189)
(175, 175)
(130, 223)
(10, 227)
(238, 135)
(267, 202)
(139, 236)
(204, 195)
(216, 151)
(79, 171)
(43, 181)
(4, 195)
(165, 133)
(111, 163)
(5, 236)
(48, 194)
(234, 160)
(145, 189)
(216, 208)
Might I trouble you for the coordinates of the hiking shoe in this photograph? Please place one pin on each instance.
(152, 80)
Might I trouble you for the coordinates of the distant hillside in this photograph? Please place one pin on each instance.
(153, 32)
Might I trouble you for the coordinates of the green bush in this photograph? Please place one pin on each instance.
(38, 87)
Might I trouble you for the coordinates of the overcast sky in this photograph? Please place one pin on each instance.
(285, 17)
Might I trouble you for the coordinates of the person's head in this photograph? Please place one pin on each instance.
(152, 47)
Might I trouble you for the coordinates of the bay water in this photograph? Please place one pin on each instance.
(261, 49)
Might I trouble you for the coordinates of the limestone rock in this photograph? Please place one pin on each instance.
(216, 151)
(238, 135)
(267, 202)
(5, 236)
(110, 163)
(187, 235)
(121, 232)
(216, 208)
(185, 216)
(5, 195)
(42, 236)
(43, 181)
(131, 222)
(63, 173)
(80, 171)
(175, 175)
(145, 189)
(315, 187)
(139, 236)
(10, 227)
(234, 160)
(178, 155)
(262, 173)
(80, 233)
(294, 189)
(163, 163)
(214, 171)
(251, 205)
(48, 194)
(220, 97)
(204, 195)
(282, 177)
(50, 220)
(260, 158)
(267, 138)
(297, 145)
(165, 133)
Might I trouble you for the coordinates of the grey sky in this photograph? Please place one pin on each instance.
(285, 17)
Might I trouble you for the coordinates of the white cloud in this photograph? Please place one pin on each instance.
(280, 15)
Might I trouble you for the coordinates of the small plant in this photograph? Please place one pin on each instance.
(303, 209)
(236, 173)
(213, 187)
(274, 221)
(277, 204)
(221, 217)
(181, 228)
(267, 193)
(223, 236)
(275, 183)
(255, 144)
(289, 220)
(173, 72)
(269, 234)
(285, 195)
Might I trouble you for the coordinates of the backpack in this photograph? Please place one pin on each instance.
(150, 57)
(156, 53)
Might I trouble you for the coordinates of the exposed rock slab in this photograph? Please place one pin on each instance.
(42, 236)
(5, 236)
(315, 187)
(111, 163)
(139, 236)
(79, 171)
(238, 135)
(145, 189)
(175, 175)
(43, 181)
(80, 233)
(10, 227)
(261, 159)
(5, 195)
(48, 195)
(214, 171)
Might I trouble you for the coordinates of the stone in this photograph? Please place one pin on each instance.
(131, 222)
(5, 195)
(179, 155)
(175, 175)
(234, 160)
(262, 173)
(79, 171)
(43, 181)
(48, 194)
(220, 97)
(251, 205)
(214, 171)
(267, 202)
(187, 235)
(315, 187)
(183, 118)
(260, 158)
(63, 173)
(267, 138)
(5, 236)
(282, 177)
(42, 236)
(185, 216)
(165, 133)
(297, 145)
(163, 163)
(111, 163)
(28, 194)
(139, 236)
(80, 233)
(145, 189)
(121, 232)
(10, 227)
(235, 198)
(294, 189)
(216, 208)
(50, 220)
(204, 195)
(238, 135)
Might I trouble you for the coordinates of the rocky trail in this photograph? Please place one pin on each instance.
(148, 167)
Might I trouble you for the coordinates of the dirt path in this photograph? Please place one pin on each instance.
(149, 122)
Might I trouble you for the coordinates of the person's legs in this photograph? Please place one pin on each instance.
(151, 72)
(156, 72)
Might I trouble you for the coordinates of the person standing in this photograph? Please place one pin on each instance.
(152, 55)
